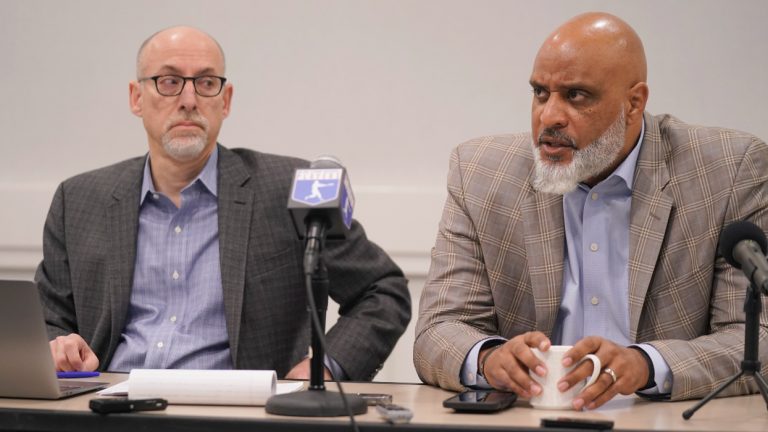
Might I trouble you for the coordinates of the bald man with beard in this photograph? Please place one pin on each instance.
(599, 229)
(187, 258)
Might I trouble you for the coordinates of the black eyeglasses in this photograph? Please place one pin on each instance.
(173, 85)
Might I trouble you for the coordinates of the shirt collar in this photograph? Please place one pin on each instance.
(207, 177)
(627, 168)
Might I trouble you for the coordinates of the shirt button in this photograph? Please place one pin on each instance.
(155, 196)
(159, 344)
(175, 275)
(593, 247)
(667, 385)
(595, 301)
(177, 230)
(173, 319)
(594, 196)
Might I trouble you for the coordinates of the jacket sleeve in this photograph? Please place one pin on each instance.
(702, 364)
(456, 309)
(375, 305)
(53, 276)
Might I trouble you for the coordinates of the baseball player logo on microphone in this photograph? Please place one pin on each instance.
(316, 186)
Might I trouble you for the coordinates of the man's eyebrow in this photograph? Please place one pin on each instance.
(580, 85)
(166, 69)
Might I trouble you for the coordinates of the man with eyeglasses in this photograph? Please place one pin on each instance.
(187, 257)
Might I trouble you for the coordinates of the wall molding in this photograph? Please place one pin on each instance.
(23, 260)
(402, 220)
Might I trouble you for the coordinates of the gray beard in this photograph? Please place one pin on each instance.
(183, 148)
(589, 162)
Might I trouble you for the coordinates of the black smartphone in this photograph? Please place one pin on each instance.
(480, 401)
(576, 423)
(122, 405)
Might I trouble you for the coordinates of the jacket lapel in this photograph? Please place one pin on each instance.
(544, 244)
(651, 207)
(235, 208)
(122, 221)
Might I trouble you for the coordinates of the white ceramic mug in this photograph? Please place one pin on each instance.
(550, 397)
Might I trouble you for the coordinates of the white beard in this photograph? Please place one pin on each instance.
(183, 148)
(589, 162)
(187, 146)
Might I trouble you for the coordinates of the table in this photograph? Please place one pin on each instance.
(745, 413)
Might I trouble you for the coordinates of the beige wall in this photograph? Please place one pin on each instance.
(388, 86)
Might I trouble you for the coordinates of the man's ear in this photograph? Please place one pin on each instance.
(227, 99)
(637, 98)
(134, 97)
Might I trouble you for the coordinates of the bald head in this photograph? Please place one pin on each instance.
(589, 95)
(605, 40)
(181, 95)
(178, 37)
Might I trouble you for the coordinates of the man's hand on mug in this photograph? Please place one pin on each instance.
(507, 366)
(624, 371)
(72, 353)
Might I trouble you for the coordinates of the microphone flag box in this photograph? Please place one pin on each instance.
(324, 193)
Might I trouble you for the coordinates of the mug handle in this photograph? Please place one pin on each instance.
(597, 369)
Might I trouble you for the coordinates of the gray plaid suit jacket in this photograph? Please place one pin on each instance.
(497, 265)
(89, 248)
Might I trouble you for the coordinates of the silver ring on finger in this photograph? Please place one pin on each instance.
(611, 373)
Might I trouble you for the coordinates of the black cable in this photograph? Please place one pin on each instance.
(321, 338)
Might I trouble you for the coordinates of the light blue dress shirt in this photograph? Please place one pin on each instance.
(595, 277)
(176, 313)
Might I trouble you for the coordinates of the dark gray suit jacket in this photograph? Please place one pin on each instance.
(89, 247)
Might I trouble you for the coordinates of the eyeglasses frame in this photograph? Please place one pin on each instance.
(156, 77)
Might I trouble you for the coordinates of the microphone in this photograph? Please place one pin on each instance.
(743, 245)
(321, 204)
(321, 195)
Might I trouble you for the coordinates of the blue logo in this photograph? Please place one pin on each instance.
(314, 187)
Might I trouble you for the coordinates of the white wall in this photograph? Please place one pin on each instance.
(388, 86)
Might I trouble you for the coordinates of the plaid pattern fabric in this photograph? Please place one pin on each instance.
(89, 251)
(497, 265)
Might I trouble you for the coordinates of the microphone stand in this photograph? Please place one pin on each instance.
(750, 366)
(320, 291)
(316, 401)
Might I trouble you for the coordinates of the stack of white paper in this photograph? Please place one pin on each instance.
(206, 387)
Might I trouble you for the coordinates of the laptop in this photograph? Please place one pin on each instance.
(26, 366)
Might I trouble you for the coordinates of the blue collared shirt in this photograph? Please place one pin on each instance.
(176, 313)
(595, 277)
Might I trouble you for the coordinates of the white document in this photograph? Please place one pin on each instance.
(119, 389)
(203, 387)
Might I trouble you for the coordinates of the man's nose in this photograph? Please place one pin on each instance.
(188, 97)
(553, 114)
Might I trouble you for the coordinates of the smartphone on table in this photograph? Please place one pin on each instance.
(480, 401)
(576, 423)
